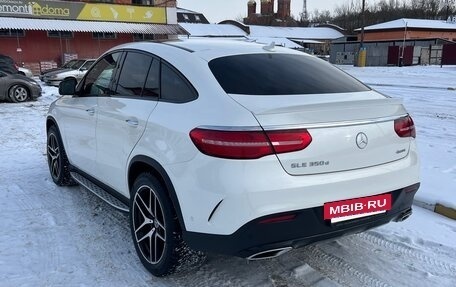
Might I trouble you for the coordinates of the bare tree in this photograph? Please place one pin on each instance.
(347, 14)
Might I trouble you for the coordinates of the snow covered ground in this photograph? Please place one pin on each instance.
(429, 94)
(53, 236)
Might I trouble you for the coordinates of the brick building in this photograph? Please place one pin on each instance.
(55, 31)
(267, 15)
(402, 42)
(410, 29)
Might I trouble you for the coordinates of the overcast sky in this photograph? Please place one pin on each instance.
(218, 10)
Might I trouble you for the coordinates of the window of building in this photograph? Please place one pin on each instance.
(12, 33)
(60, 34)
(197, 18)
(186, 18)
(104, 35)
(142, 2)
(142, 37)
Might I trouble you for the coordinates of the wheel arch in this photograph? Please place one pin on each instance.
(50, 121)
(140, 164)
(70, 77)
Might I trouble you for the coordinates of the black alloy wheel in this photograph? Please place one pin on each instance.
(154, 226)
(57, 159)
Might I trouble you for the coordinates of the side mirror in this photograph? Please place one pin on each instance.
(68, 87)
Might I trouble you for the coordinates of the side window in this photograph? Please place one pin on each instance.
(174, 88)
(133, 75)
(152, 87)
(87, 65)
(98, 79)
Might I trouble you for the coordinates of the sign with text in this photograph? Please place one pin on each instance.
(82, 11)
(358, 207)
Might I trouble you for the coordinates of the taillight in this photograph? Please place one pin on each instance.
(249, 144)
(405, 127)
(289, 140)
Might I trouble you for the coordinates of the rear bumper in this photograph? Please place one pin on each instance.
(54, 83)
(307, 227)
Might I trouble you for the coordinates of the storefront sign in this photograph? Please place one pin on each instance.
(82, 11)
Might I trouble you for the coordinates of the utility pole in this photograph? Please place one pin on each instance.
(362, 54)
(363, 19)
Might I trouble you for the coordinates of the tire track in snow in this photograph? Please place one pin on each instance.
(337, 269)
(211, 273)
(111, 234)
(438, 266)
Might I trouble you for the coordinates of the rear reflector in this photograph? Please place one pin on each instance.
(248, 144)
(405, 127)
(277, 219)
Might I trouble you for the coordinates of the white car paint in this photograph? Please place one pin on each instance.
(100, 141)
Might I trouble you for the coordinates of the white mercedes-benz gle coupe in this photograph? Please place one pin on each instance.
(232, 147)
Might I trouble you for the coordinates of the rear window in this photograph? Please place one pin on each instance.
(281, 74)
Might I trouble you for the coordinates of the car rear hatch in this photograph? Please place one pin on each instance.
(297, 95)
(349, 131)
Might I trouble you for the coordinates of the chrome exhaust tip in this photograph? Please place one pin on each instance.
(268, 254)
(404, 215)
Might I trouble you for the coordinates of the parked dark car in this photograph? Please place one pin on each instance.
(7, 65)
(18, 88)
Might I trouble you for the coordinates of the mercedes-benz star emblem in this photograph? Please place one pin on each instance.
(362, 140)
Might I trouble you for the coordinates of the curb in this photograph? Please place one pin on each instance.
(445, 211)
(437, 208)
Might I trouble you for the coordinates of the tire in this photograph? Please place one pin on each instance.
(154, 226)
(18, 94)
(57, 159)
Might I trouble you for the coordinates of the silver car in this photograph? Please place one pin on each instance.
(76, 72)
(18, 88)
(67, 65)
(25, 72)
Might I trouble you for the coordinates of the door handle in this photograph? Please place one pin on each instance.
(132, 122)
(91, 111)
